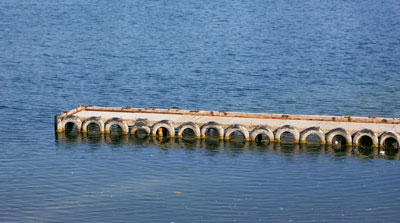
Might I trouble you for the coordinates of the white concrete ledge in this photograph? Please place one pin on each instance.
(355, 130)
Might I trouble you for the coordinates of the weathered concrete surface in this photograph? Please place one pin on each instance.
(173, 120)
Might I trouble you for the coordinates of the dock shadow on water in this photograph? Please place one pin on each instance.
(214, 145)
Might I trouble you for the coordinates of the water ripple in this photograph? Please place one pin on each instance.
(333, 58)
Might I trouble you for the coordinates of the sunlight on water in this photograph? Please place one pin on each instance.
(287, 57)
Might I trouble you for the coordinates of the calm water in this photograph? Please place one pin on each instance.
(303, 57)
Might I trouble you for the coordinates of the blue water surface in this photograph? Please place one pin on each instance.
(298, 57)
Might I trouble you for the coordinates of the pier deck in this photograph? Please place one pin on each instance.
(355, 131)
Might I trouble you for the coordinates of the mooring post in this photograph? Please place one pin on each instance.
(160, 132)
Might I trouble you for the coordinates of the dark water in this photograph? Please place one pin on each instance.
(302, 57)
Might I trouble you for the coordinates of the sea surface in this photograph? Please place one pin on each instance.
(320, 57)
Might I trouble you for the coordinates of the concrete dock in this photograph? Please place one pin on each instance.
(349, 130)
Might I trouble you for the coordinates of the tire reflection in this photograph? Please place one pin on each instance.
(216, 146)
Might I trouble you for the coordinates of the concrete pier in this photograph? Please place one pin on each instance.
(173, 122)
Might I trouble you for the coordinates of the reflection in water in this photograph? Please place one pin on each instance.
(215, 145)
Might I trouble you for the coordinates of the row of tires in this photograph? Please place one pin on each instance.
(356, 139)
